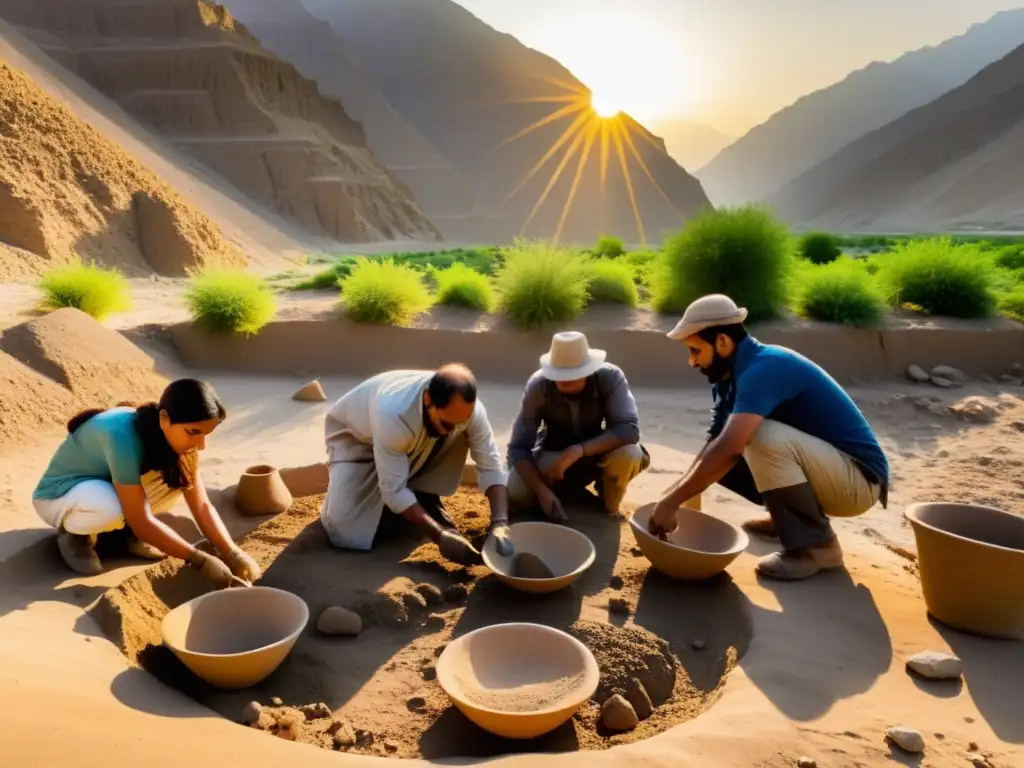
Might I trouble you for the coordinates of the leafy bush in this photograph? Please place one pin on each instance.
(841, 292)
(327, 278)
(1012, 304)
(742, 252)
(940, 277)
(97, 292)
(819, 248)
(229, 301)
(540, 283)
(609, 247)
(642, 265)
(1011, 257)
(611, 282)
(384, 293)
(460, 286)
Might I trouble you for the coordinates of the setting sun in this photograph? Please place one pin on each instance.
(605, 106)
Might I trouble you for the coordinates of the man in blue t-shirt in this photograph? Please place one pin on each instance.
(783, 434)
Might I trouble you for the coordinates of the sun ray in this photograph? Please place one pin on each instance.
(616, 130)
(556, 115)
(592, 129)
(567, 134)
(604, 152)
(564, 84)
(554, 177)
(640, 160)
(571, 98)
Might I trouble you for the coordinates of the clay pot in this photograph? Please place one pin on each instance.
(490, 668)
(700, 547)
(971, 560)
(261, 491)
(567, 554)
(235, 638)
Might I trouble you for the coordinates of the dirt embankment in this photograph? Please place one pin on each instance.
(187, 69)
(65, 189)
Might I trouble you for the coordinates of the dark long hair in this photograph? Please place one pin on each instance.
(186, 401)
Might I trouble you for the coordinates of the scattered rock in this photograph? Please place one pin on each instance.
(251, 713)
(806, 762)
(944, 383)
(342, 733)
(638, 698)
(979, 761)
(276, 701)
(339, 621)
(311, 392)
(615, 582)
(316, 711)
(364, 738)
(976, 409)
(1017, 426)
(435, 622)
(636, 551)
(697, 644)
(431, 594)
(429, 673)
(456, 593)
(390, 746)
(906, 739)
(973, 747)
(949, 372)
(968, 719)
(918, 374)
(617, 714)
(416, 703)
(619, 606)
(936, 666)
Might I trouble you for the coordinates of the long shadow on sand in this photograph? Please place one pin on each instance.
(993, 671)
(826, 643)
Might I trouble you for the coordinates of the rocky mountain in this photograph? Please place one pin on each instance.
(954, 163)
(691, 143)
(514, 123)
(187, 70)
(289, 30)
(816, 126)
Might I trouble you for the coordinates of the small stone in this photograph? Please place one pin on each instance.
(940, 736)
(636, 551)
(917, 373)
(252, 712)
(949, 372)
(429, 673)
(416, 704)
(342, 733)
(615, 582)
(617, 714)
(430, 594)
(638, 697)
(276, 701)
(339, 621)
(316, 711)
(439, 650)
(973, 747)
(310, 392)
(806, 762)
(364, 738)
(390, 746)
(944, 383)
(936, 666)
(975, 409)
(968, 719)
(455, 593)
(906, 739)
(979, 761)
(697, 644)
(619, 606)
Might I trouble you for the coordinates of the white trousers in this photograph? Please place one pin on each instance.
(90, 508)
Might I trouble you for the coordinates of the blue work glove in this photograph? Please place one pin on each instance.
(503, 539)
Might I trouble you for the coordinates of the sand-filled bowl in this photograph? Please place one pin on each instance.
(971, 560)
(518, 680)
(235, 637)
(700, 547)
(563, 552)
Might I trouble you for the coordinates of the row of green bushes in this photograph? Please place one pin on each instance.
(743, 252)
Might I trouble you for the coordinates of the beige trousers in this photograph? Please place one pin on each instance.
(615, 469)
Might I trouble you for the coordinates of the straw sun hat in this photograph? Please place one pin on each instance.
(707, 312)
(571, 358)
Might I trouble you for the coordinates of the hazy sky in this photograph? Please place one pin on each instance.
(729, 63)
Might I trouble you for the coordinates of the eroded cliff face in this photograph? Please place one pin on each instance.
(187, 69)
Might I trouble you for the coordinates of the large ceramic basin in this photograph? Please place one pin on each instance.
(517, 680)
(701, 546)
(566, 552)
(235, 637)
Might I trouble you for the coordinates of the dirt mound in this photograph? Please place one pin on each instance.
(97, 365)
(65, 190)
(29, 403)
(196, 76)
(377, 693)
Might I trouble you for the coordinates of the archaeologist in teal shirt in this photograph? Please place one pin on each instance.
(784, 435)
(125, 465)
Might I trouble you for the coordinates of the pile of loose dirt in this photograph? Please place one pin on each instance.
(29, 403)
(377, 693)
(66, 190)
(96, 364)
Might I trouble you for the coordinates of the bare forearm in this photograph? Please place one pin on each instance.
(531, 476)
(158, 534)
(604, 443)
(497, 497)
(712, 464)
(419, 517)
(212, 527)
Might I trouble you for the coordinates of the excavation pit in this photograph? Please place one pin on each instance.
(378, 692)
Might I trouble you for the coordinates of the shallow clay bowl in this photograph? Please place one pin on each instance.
(235, 637)
(493, 674)
(701, 546)
(971, 560)
(566, 552)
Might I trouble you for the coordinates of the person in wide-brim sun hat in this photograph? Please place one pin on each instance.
(577, 424)
(783, 435)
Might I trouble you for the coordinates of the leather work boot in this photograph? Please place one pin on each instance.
(803, 563)
(79, 553)
(761, 526)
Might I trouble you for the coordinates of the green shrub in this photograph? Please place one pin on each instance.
(327, 278)
(819, 248)
(540, 283)
(97, 292)
(1012, 304)
(1011, 257)
(609, 247)
(841, 292)
(384, 293)
(461, 286)
(611, 282)
(229, 301)
(642, 265)
(940, 277)
(742, 252)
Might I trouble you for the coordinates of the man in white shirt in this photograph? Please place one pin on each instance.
(396, 444)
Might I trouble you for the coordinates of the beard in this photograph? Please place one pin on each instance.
(718, 369)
